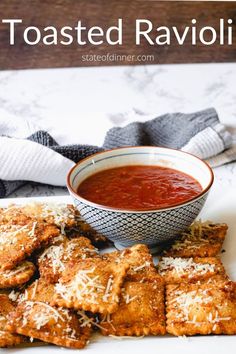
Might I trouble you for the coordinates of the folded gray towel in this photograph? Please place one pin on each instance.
(200, 133)
(170, 130)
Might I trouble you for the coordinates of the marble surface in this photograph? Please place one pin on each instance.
(78, 105)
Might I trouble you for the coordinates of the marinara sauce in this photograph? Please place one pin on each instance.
(139, 187)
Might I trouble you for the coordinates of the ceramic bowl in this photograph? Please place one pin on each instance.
(152, 227)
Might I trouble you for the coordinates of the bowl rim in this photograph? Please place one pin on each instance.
(138, 211)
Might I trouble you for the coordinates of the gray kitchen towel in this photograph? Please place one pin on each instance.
(40, 159)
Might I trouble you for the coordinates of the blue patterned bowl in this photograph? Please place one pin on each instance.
(152, 227)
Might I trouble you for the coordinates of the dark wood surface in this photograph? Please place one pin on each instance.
(59, 13)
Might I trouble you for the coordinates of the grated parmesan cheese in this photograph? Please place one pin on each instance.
(196, 228)
(35, 289)
(108, 289)
(125, 337)
(11, 273)
(85, 285)
(86, 321)
(81, 286)
(60, 213)
(185, 301)
(184, 265)
(54, 254)
(9, 235)
(44, 316)
(144, 265)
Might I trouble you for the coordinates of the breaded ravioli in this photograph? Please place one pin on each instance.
(141, 309)
(138, 257)
(179, 270)
(18, 241)
(64, 216)
(36, 318)
(201, 239)
(208, 308)
(17, 276)
(93, 284)
(7, 339)
(52, 262)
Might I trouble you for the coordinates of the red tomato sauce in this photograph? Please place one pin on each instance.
(139, 187)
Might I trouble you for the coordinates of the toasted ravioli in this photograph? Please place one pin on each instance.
(208, 308)
(62, 215)
(14, 215)
(19, 241)
(201, 239)
(41, 321)
(7, 339)
(35, 318)
(54, 259)
(178, 270)
(17, 276)
(141, 310)
(139, 259)
(92, 285)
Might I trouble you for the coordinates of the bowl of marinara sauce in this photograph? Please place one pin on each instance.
(140, 194)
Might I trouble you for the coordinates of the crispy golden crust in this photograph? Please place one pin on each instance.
(200, 240)
(141, 310)
(62, 215)
(178, 270)
(139, 259)
(54, 259)
(40, 290)
(6, 338)
(201, 308)
(17, 276)
(34, 317)
(92, 285)
(14, 216)
(17, 241)
(41, 321)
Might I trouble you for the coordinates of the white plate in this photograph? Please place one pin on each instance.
(221, 209)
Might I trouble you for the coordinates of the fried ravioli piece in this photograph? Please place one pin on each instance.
(61, 215)
(14, 215)
(54, 259)
(141, 310)
(139, 259)
(7, 339)
(208, 308)
(17, 276)
(34, 317)
(64, 216)
(201, 239)
(92, 284)
(19, 241)
(178, 270)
